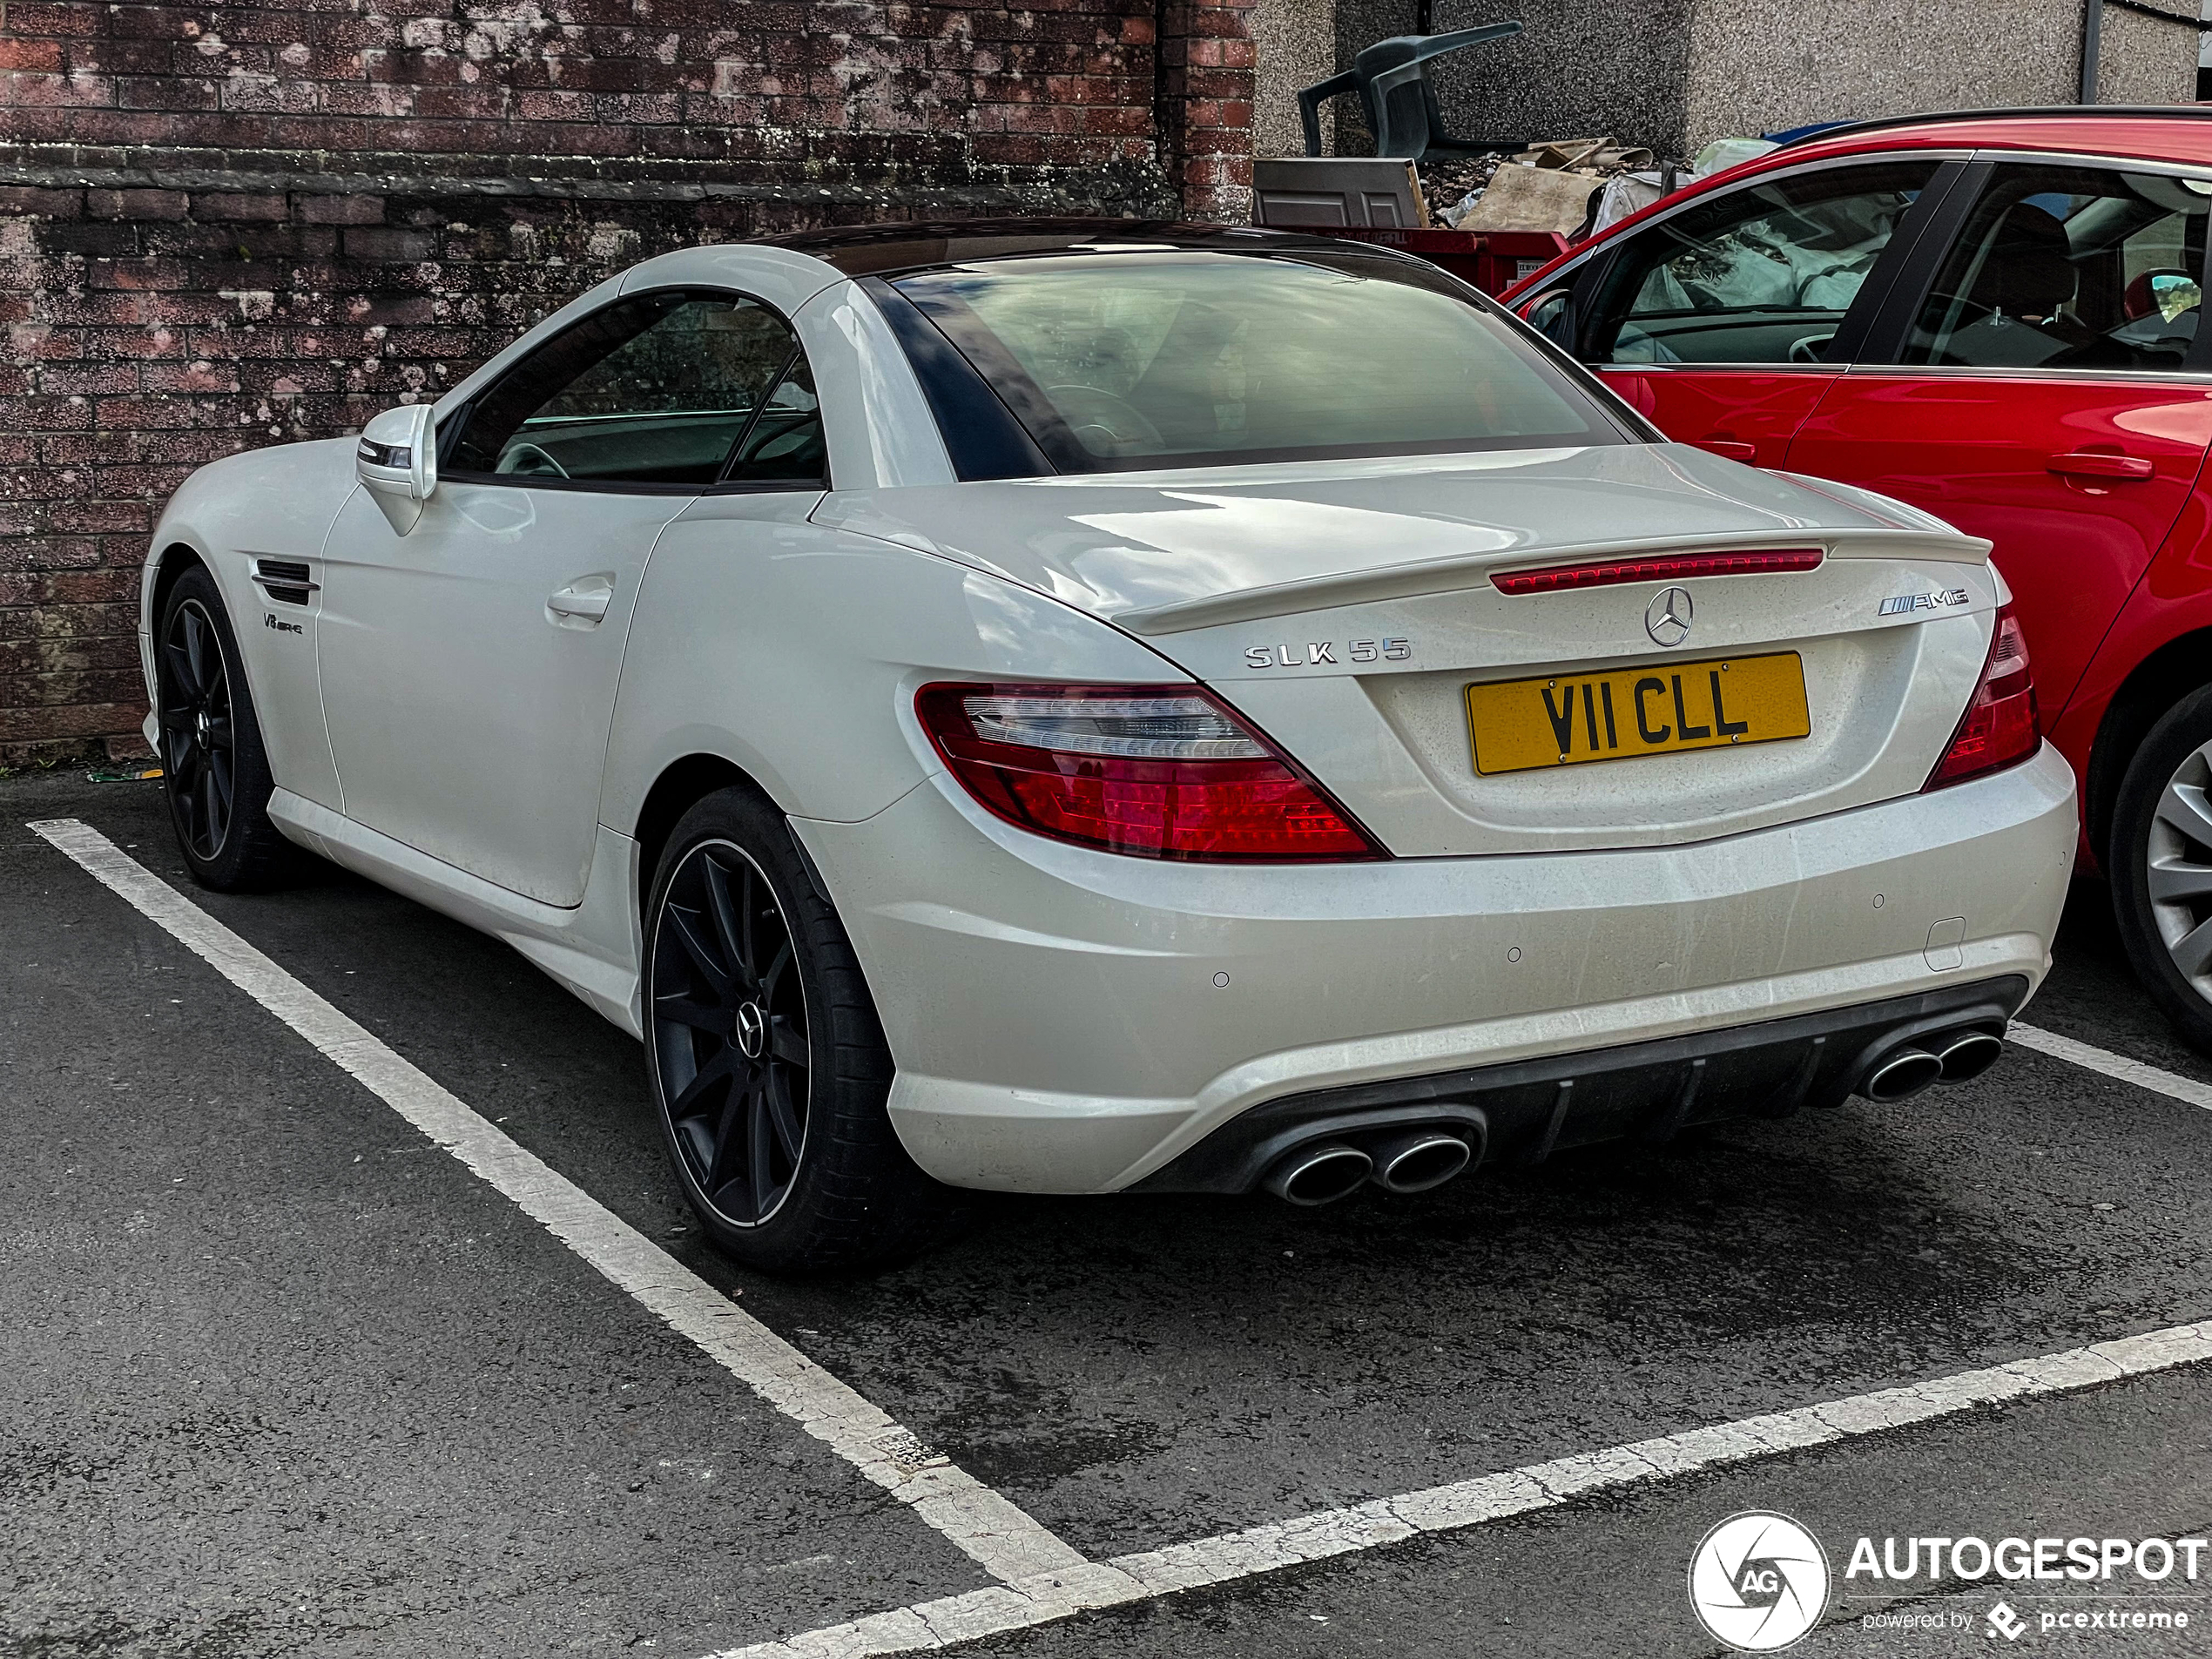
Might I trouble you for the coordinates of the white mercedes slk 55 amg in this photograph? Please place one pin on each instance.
(1075, 708)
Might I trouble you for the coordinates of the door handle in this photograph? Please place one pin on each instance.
(2100, 464)
(1729, 448)
(583, 603)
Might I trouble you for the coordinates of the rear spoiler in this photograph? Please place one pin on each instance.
(1452, 575)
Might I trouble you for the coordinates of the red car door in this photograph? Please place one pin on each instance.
(2044, 390)
(1724, 322)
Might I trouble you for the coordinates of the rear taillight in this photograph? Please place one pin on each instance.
(1157, 772)
(1999, 728)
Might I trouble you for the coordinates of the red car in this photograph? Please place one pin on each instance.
(1994, 317)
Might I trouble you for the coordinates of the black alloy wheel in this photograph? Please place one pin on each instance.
(767, 1056)
(199, 738)
(730, 1033)
(215, 769)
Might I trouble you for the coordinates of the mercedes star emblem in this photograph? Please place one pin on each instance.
(1667, 620)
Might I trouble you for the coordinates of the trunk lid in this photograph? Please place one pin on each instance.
(1347, 608)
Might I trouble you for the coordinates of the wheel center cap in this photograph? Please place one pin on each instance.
(200, 728)
(753, 1030)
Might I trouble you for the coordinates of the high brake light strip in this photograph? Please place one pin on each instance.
(1663, 567)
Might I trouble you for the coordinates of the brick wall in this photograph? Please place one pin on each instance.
(230, 225)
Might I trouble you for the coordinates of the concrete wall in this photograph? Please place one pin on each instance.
(1674, 74)
(1576, 70)
(1297, 45)
(2145, 61)
(1762, 65)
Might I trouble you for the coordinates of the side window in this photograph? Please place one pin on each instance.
(786, 444)
(1761, 274)
(661, 388)
(2070, 267)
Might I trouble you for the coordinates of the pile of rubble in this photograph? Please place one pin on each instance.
(1574, 186)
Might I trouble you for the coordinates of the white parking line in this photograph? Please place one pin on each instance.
(1049, 1596)
(1008, 1544)
(2188, 1091)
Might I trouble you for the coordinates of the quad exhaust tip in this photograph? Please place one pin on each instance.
(1318, 1175)
(1417, 1161)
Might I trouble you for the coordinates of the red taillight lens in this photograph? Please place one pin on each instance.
(1157, 772)
(2000, 726)
(1660, 567)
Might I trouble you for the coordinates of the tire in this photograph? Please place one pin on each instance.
(215, 770)
(767, 1063)
(2161, 863)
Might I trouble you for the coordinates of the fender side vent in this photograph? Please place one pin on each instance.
(284, 580)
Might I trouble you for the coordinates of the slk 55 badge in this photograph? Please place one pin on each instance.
(1314, 652)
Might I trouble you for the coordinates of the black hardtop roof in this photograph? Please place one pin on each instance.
(888, 250)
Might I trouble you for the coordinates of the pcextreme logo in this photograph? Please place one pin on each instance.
(1758, 1582)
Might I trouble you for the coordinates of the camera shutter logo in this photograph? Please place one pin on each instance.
(1758, 1582)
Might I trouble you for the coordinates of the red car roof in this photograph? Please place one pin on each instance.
(2178, 134)
(2183, 133)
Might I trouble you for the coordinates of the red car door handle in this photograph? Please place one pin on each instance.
(2101, 463)
(1733, 449)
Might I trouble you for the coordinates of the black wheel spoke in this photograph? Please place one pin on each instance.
(685, 922)
(786, 1044)
(700, 1016)
(729, 1139)
(770, 980)
(759, 1134)
(183, 670)
(776, 1091)
(746, 959)
(209, 808)
(701, 1088)
(725, 921)
(196, 648)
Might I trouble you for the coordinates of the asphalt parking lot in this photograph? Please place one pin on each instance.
(279, 1375)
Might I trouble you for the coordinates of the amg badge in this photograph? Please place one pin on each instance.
(1937, 599)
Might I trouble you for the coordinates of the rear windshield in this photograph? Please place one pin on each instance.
(1117, 361)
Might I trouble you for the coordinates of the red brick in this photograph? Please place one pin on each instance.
(342, 210)
(44, 204)
(44, 56)
(217, 205)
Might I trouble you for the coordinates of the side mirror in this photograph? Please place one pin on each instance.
(397, 462)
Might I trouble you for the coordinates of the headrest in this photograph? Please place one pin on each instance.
(2029, 270)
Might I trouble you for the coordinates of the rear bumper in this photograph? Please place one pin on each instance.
(1072, 1022)
(1528, 1108)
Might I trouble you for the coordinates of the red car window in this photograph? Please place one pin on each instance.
(2070, 267)
(1763, 274)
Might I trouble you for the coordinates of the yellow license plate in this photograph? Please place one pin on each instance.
(1516, 725)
